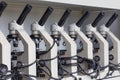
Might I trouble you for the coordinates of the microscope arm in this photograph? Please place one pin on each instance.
(38, 27)
(57, 29)
(103, 44)
(29, 51)
(116, 42)
(70, 44)
(5, 50)
(87, 45)
(102, 53)
(103, 49)
(53, 52)
(29, 55)
(71, 48)
(116, 47)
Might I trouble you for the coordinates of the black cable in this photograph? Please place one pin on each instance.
(101, 68)
(51, 47)
(113, 66)
(56, 57)
(43, 53)
(87, 60)
(83, 72)
(44, 60)
(49, 59)
(89, 74)
(13, 73)
(50, 75)
(24, 66)
(98, 69)
(68, 58)
(71, 74)
(48, 70)
(113, 77)
(29, 76)
(5, 77)
(107, 74)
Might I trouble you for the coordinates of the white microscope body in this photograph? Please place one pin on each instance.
(37, 29)
(71, 48)
(114, 53)
(29, 55)
(101, 55)
(116, 43)
(87, 51)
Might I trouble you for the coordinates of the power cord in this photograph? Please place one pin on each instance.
(5, 75)
(112, 68)
(71, 74)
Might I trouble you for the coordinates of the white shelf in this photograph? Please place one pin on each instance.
(110, 4)
(113, 4)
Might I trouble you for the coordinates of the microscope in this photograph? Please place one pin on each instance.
(47, 66)
(114, 43)
(67, 67)
(20, 59)
(85, 53)
(100, 46)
